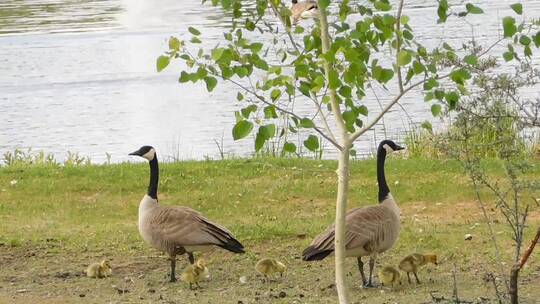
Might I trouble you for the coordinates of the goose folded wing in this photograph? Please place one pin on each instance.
(186, 226)
(365, 227)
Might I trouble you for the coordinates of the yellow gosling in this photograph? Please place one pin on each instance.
(389, 276)
(412, 262)
(99, 270)
(267, 267)
(195, 273)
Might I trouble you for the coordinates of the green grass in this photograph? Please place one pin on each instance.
(60, 212)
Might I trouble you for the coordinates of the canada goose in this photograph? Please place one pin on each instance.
(195, 273)
(389, 276)
(369, 230)
(99, 270)
(177, 230)
(411, 263)
(268, 267)
(305, 9)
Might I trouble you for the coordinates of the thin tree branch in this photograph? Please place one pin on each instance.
(262, 99)
(357, 134)
(287, 29)
(336, 110)
(398, 44)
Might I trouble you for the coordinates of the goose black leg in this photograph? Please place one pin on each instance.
(173, 267)
(417, 280)
(371, 265)
(191, 258)
(361, 269)
(409, 277)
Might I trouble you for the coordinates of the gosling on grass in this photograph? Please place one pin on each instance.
(195, 273)
(412, 262)
(268, 267)
(389, 276)
(99, 270)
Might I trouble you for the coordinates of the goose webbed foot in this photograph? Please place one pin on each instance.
(370, 284)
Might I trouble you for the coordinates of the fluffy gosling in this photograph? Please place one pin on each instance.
(268, 267)
(411, 263)
(389, 276)
(195, 273)
(99, 270)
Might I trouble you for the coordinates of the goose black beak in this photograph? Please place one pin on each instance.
(399, 148)
(136, 153)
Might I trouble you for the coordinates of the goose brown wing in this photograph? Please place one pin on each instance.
(365, 227)
(187, 227)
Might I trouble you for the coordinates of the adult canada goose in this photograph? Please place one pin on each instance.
(369, 230)
(304, 9)
(177, 230)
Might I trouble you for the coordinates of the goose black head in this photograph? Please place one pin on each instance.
(389, 146)
(147, 152)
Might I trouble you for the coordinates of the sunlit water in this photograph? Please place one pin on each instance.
(80, 76)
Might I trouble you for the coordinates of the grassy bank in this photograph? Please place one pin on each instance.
(56, 220)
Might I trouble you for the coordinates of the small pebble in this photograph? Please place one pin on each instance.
(282, 294)
(82, 295)
(468, 237)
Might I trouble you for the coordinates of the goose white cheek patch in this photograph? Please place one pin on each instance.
(150, 154)
(388, 148)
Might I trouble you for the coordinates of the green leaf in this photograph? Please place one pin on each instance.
(418, 68)
(508, 56)
(525, 40)
(184, 77)
(194, 31)
(241, 129)
(248, 110)
(267, 131)
(403, 58)
(436, 109)
(162, 62)
(324, 3)
(333, 81)
(430, 84)
(382, 5)
(276, 93)
(259, 141)
(537, 39)
(472, 9)
(312, 143)
(239, 96)
(270, 112)
(452, 98)
(427, 125)
(174, 44)
(442, 11)
(517, 7)
(471, 59)
(509, 26)
(217, 53)
(306, 123)
(289, 147)
(211, 83)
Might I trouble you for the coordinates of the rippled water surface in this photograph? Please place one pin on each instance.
(80, 76)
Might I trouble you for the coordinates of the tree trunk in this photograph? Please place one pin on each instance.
(513, 289)
(341, 210)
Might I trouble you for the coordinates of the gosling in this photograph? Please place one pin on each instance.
(99, 270)
(411, 263)
(268, 267)
(195, 273)
(389, 276)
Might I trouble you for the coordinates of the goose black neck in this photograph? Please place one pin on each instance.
(154, 178)
(381, 179)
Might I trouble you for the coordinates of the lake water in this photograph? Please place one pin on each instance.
(79, 75)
